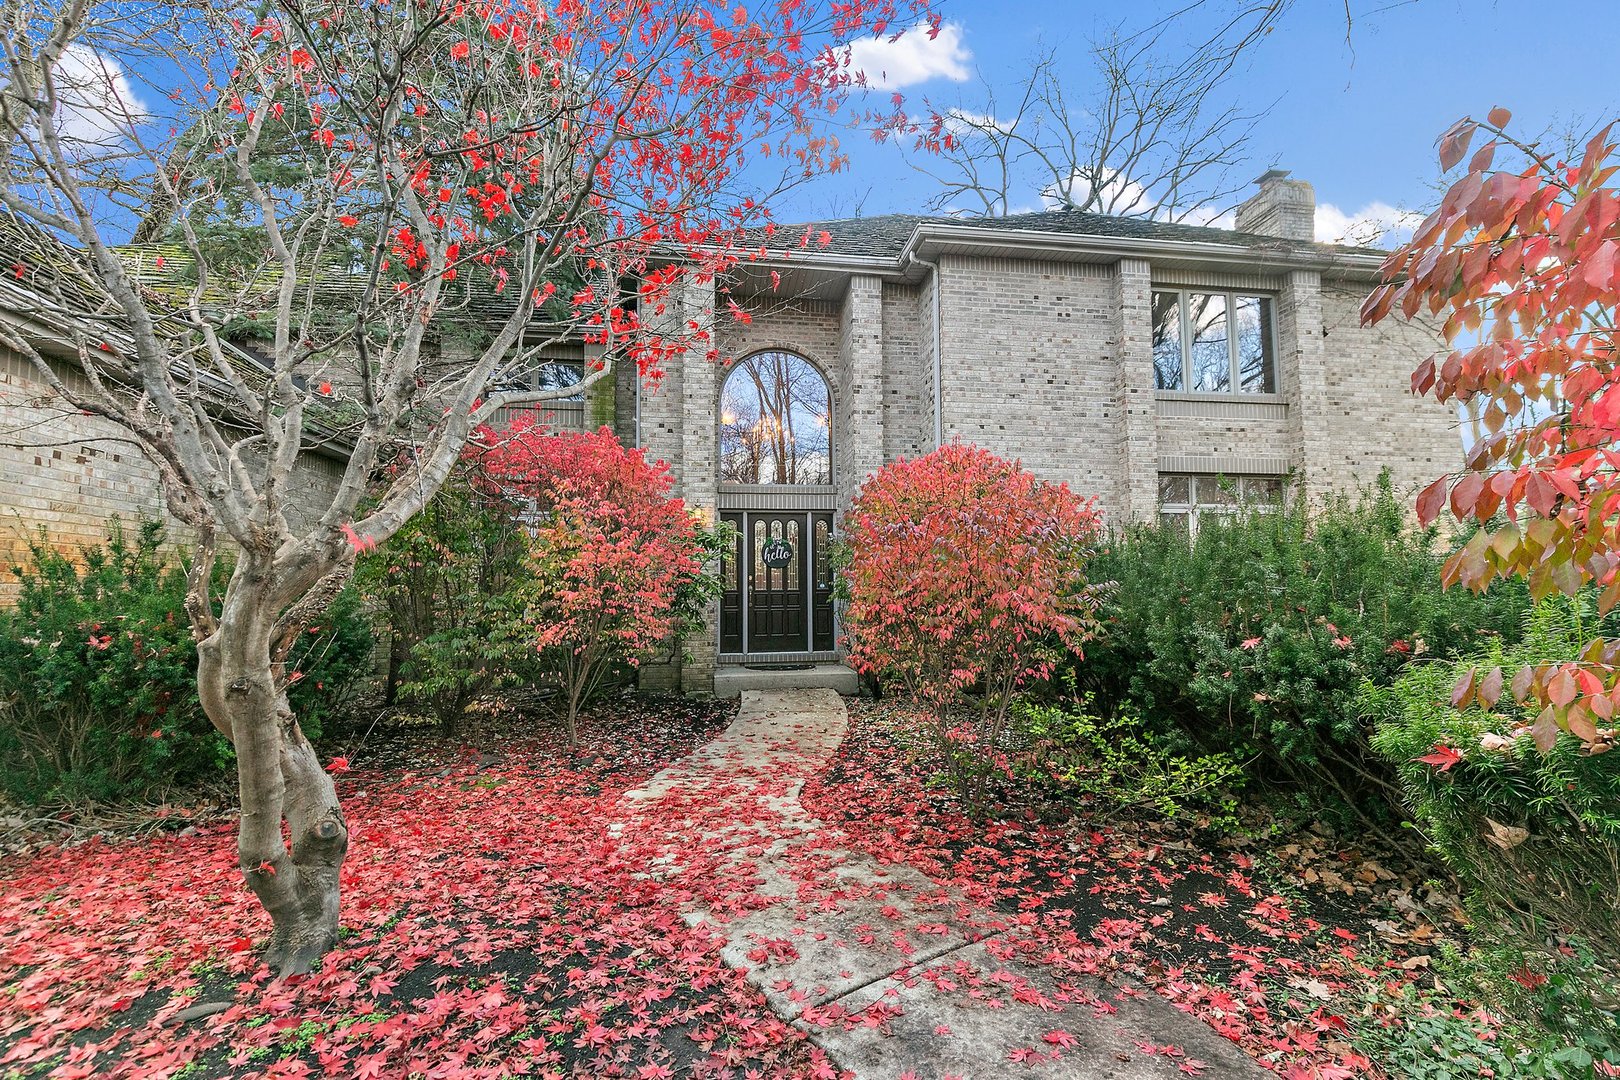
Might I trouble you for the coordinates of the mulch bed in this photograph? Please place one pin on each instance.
(1278, 943)
(493, 928)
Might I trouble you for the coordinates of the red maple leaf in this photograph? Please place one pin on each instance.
(1443, 757)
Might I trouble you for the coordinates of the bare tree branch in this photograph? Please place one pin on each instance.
(1157, 137)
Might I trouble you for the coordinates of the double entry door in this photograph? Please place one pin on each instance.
(778, 596)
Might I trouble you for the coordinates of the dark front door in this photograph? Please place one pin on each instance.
(778, 583)
(777, 605)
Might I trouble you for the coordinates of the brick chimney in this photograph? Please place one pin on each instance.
(1282, 207)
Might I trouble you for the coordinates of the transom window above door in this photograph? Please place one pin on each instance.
(775, 422)
(1213, 342)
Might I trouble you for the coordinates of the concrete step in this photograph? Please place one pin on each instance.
(730, 680)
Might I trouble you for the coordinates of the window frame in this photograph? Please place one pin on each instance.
(1234, 369)
(1194, 508)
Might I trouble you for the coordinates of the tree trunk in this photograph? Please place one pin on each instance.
(279, 776)
(574, 688)
(398, 652)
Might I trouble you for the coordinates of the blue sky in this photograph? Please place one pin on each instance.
(1358, 119)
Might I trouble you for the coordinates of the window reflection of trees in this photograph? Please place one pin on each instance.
(1213, 343)
(1252, 317)
(1167, 340)
(775, 422)
(1211, 355)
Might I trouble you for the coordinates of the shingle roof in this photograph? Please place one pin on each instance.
(885, 235)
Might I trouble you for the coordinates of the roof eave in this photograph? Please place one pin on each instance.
(933, 235)
(929, 238)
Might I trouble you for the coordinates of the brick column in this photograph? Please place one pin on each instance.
(858, 439)
(664, 423)
(1137, 496)
(698, 469)
(1302, 364)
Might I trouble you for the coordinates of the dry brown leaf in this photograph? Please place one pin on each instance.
(1506, 837)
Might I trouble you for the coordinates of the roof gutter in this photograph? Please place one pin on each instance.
(939, 390)
(1121, 246)
(1105, 248)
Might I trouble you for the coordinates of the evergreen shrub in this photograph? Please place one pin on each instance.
(98, 669)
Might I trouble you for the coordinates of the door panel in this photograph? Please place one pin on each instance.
(776, 583)
(731, 600)
(822, 593)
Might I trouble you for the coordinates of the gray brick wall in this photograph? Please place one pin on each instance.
(1029, 367)
(908, 407)
(860, 376)
(699, 471)
(71, 474)
(61, 471)
(811, 328)
(1233, 431)
(1131, 340)
(1369, 418)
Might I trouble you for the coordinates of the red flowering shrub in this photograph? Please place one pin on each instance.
(617, 562)
(967, 580)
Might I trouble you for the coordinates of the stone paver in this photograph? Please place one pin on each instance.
(871, 959)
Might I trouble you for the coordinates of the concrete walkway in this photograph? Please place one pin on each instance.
(893, 974)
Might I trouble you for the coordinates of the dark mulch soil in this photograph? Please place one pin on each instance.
(1277, 935)
(493, 927)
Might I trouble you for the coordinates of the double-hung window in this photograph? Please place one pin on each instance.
(1213, 342)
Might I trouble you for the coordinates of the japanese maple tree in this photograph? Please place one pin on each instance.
(1520, 264)
(967, 576)
(613, 553)
(338, 183)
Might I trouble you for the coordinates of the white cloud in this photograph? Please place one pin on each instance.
(1377, 224)
(97, 100)
(1123, 197)
(1115, 195)
(913, 58)
(1211, 217)
(967, 123)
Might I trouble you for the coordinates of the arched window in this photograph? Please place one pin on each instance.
(775, 422)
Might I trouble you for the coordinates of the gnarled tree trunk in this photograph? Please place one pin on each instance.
(241, 684)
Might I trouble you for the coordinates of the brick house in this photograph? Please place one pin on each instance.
(1135, 360)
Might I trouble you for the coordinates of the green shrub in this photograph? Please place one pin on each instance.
(459, 587)
(1545, 1017)
(98, 695)
(1120, 766)
(1534, 838)
(1253, 637)
(449, 589)
(330, 663)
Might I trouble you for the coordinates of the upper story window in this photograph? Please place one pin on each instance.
(775, 422)
(554, 375)
(1213, 342)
